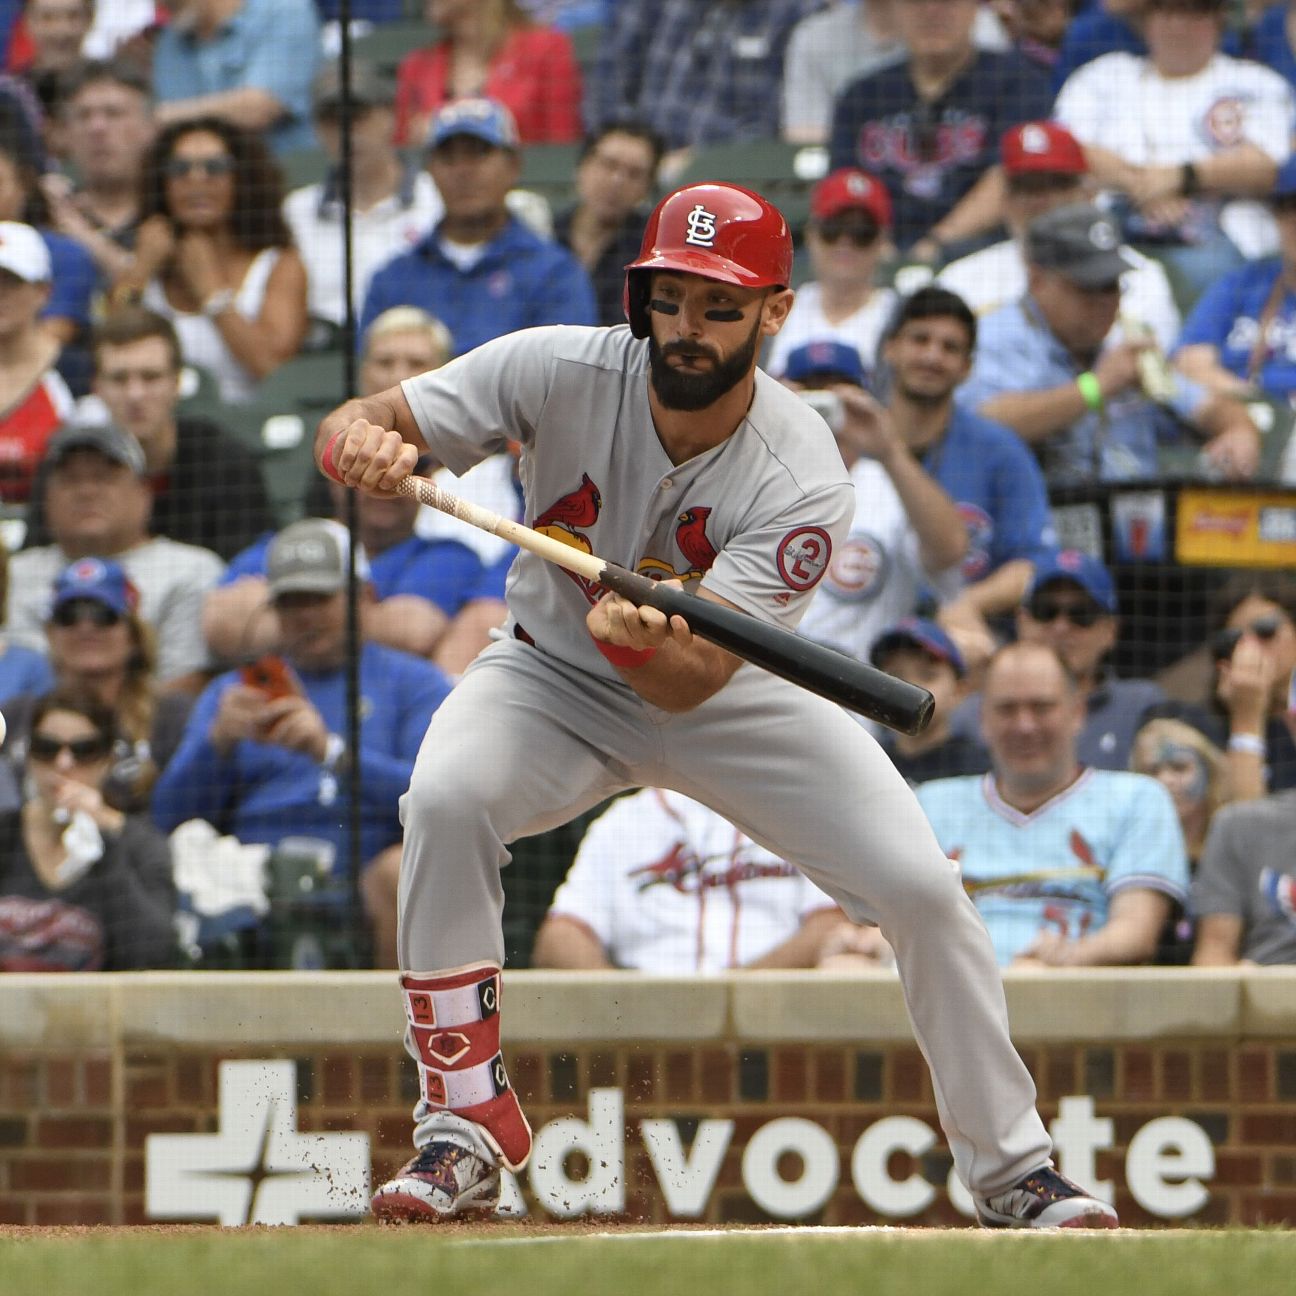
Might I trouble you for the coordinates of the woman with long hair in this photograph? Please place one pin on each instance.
(214, 254)
(1195, 773)
(492, 49)
(100, 647)
(84, 887)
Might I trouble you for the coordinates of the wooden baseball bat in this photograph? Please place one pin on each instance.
(831, 674)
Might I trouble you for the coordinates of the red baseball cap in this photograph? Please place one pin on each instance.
(1041, 146)
(850, 189)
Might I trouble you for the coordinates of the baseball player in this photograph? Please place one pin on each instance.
(663, 448)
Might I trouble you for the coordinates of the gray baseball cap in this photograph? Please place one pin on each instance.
(310, 557)
(108, 439)
(1080, 242)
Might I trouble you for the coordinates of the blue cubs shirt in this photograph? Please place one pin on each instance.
(1227, 316)
(1056, 869)
(930, 153)
(999, 489)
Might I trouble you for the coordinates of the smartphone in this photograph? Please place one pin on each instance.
(828, 406)
(272, 676)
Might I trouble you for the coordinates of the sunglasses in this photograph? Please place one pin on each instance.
(45, 748)
(76, 611)
(1082, 615)
(1223, 642)
(213, 167)
(861, 234)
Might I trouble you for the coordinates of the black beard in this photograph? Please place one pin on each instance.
(678, 389)
(927, 400)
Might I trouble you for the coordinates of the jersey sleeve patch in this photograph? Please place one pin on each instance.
(803, 556)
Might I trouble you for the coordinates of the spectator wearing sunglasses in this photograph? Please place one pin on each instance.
(83, 887)
(1254, 652)
(214, 254)
(849, 226)
(99, 646)
(1050, 368)
(97, 503)
(1045, 168)
(1071, 606)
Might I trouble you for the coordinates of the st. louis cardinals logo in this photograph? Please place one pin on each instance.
(692, 541)
(701, 227)
(803, 557)
(682, 869)
(564, 520)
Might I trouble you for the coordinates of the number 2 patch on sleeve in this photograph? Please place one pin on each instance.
(803, 557)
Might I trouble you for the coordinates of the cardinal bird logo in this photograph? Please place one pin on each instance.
(692, 541)
(563, 519)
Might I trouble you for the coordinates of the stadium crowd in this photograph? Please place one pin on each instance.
(1046, 251)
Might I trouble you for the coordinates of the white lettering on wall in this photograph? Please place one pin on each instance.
(686, 1178)
(1163, 1165)
(820, 1167)
(897, 1198)
(601, 1140)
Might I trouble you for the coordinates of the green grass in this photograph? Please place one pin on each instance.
(373, 1262)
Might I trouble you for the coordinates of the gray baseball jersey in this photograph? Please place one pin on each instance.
(537, 731)
(756, 516)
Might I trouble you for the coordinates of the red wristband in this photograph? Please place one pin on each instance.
(626, 658)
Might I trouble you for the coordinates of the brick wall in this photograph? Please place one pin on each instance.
(70, 1153)
(73, 1121)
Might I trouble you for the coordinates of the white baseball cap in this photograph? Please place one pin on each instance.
(23, 253)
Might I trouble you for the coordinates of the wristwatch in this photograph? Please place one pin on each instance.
(220, 300)
(1189, 180)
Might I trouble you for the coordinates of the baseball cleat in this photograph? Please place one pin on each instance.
(1045, 1199)
(442, 1181)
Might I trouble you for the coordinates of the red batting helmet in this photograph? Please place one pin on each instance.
(719, 231)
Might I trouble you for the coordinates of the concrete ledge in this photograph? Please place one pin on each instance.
(819, 1006)
(1124, 1004)
(549, 1007)
(1269, 1003)
(47, 1011)
(91, 1011)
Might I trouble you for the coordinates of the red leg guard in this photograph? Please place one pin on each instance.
(454, 1022)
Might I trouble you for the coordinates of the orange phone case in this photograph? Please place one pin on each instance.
(273, 676)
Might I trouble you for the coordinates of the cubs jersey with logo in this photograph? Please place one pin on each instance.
(930, 152)
(1166, 121)
(1056, 869)
(756, 516)
(876, 573)
(668, 886)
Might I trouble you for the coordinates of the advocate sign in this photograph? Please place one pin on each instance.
(257, 1168)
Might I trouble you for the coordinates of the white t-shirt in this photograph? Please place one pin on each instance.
(996, 276)
(669, 886)
(875, 576)
(806, 323)
(388, 229)
(1120, 102)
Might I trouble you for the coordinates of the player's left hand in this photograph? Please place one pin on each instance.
(615, 620)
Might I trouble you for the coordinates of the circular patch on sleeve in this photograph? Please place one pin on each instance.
(803, 557)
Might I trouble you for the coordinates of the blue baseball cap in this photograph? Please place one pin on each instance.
(483, 119)
(814, 359)
(917, 632)
(99, 579)
(1080, 569)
